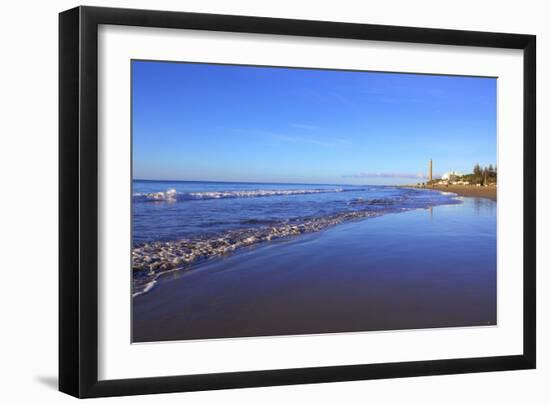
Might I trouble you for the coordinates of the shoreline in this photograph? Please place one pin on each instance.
(337, 280)
(464, 190)
(150, 260)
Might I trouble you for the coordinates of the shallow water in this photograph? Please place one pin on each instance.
(424, 268)
(177, 225)
(164, 211)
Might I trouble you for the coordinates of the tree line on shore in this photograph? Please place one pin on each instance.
(482, 175)
(479, 176)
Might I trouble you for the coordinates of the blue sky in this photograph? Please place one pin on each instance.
(259, 124)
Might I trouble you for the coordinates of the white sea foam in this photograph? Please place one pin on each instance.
(169, 195)
(172, 195)
(259, 193)
(151, 259)
(148, 286)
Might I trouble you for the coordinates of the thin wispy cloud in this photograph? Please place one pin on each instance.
(341, 98)
(310, 140)
(398, 100)
(304, 126)
(386, 175)
(326, 96)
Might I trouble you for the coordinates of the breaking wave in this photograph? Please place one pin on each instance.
(149, 260)
(153, 258)
(171, 195)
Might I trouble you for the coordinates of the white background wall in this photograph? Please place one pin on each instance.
(28, 198)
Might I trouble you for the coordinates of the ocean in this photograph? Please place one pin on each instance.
(178, 225)
(416, 269)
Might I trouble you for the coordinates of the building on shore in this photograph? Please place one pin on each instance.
(451, 176)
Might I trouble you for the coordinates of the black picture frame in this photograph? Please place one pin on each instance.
(78, 201)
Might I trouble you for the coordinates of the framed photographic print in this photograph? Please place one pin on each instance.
(250, 201)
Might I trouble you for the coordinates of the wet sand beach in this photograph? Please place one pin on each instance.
(424, 268)
(468, 190)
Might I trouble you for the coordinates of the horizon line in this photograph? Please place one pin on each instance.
(267, 182)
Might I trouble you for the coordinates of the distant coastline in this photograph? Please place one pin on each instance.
(489, 192)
